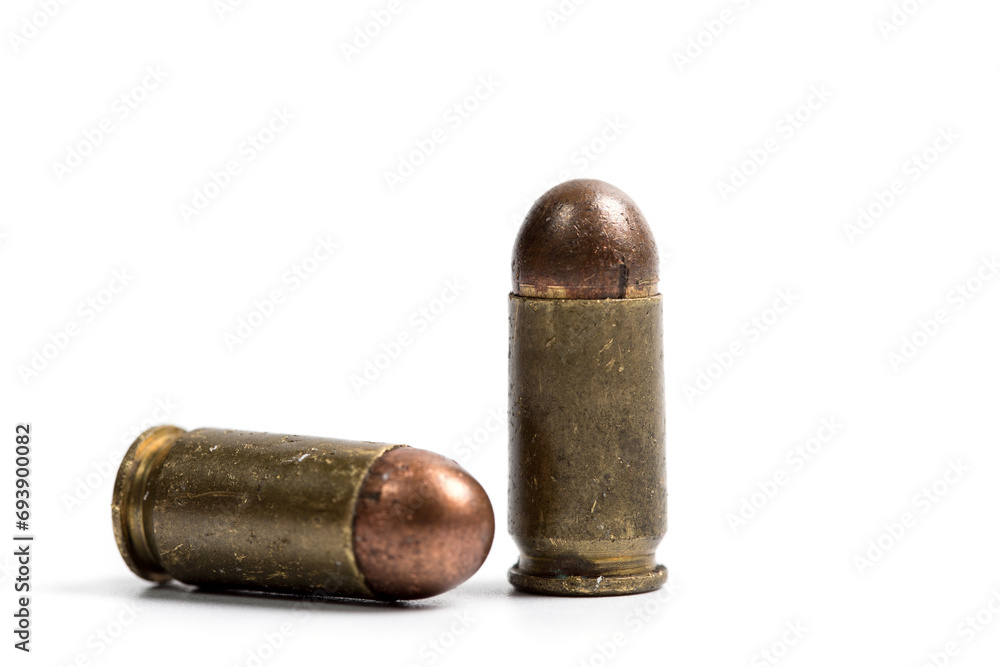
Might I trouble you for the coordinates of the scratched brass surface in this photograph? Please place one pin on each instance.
(239, 509)
(587, 481)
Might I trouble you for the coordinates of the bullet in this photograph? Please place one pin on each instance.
(319, 516)
(587, 497)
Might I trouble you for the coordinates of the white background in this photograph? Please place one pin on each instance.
(609, 78)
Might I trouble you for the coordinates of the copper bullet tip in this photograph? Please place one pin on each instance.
(422, 525)
(585, 239)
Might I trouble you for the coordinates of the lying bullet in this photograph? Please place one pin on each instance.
(305, 515)
(587, 430)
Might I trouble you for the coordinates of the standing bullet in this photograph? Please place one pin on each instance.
(236, 509)
(587, 431)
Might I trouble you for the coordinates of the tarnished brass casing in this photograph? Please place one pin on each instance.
(237, 509)
(587, 430)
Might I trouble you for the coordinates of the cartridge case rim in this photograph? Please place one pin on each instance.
(133, 533)
(578, 586)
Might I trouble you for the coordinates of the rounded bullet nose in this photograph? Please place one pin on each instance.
(422, 525)
(585, 239)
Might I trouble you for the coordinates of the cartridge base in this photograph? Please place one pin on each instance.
(575, 586)
(130, 505)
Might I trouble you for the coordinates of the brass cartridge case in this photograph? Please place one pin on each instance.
(587, 430)
(306, 515)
